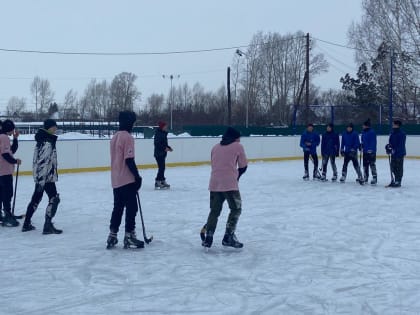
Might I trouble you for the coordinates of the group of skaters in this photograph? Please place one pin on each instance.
(44, 173)
(228, 163)
(349, 147)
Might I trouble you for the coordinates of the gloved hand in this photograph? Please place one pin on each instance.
(388, 149)
(138, 182)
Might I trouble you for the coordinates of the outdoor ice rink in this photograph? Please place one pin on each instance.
(309, 248)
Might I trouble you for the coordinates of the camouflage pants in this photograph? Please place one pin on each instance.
(216, 204)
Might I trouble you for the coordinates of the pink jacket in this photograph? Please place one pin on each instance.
(225, 161)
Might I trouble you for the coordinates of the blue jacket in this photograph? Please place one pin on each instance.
(330, 143)
(350, 141)
(369, 140)
(312, 138)
(397, 142)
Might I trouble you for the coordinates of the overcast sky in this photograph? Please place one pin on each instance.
(156, 26)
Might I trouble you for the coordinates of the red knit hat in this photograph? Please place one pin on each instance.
(162, 124)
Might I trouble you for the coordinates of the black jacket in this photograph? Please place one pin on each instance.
(161, 143)
(45, 158)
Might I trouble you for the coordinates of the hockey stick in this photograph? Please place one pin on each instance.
(14, 196)
(147, 240)
(390, 168)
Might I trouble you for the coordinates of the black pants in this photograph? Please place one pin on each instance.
(306, 156)
(351, 157)
(51, 191)
(369, 160)
(325, 159)
(161, 167)
(6, 191)
(124, 197)
(216, 205)
(397, 168)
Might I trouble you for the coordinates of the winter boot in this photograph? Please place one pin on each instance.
(230, 240)
(112, 240)
(374, 180)
(130, 240)
(208, 240)
(49, 227)
(334, 178)
(306, 176)
(9, 220)
(27, 226)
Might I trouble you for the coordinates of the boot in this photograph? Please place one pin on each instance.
(27, 226)
(158, 184)
(343, 178)
(374, 180)
(9, 220)
(130, 240)
(208, 240)
(112, 240)
(306, 176)
(49, 227)
(230, 240)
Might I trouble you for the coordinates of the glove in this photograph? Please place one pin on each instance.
(388, 149)
(138, 182)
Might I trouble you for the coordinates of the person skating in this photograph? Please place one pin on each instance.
(396, 148)
(45, 176)
(330, 148)
(160, 152)
(7, 167)
(308, 142)
(350, 143)
(369, 152)
(126, 181)
(228, 163)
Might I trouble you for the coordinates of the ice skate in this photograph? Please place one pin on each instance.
(230, 240)
(306, 176)
(334, 178)
(27, 226)
(49, 227)
(9, 220)
(130, 240)
(112, 240)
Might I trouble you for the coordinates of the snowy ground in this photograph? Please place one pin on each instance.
(310, 248)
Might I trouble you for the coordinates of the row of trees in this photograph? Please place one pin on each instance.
(267, 80)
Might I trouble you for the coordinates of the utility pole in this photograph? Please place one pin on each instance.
(229, 104)
(391, 77)
(171, 96)
(307, 80)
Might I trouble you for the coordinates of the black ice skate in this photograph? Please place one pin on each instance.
(374, 181)
(334, 178)
(306, 176)
(49, 227)
(130, 240)
(323, 178)
(161, 184)
(27, 226)
(112, 240)
(230, 240)
(343, 179)
(9, 220)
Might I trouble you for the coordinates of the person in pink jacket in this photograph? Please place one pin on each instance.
(228, 163)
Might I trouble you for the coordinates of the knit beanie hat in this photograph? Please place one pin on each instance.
(48, 123)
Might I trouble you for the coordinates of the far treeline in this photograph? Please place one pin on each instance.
(266, 81)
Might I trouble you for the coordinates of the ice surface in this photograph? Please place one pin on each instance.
(309, 248)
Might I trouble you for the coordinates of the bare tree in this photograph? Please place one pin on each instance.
(15, 106)
(42, 94)
(123, 93)
(96, 99)
(69, 107)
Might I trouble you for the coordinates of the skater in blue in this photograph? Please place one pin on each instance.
(369, 152)
(350, 143)
(396, 148)
(308, 142)
(330, 148)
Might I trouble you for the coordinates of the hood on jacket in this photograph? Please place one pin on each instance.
(127, 120)
(230, 136)
(43, 135)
